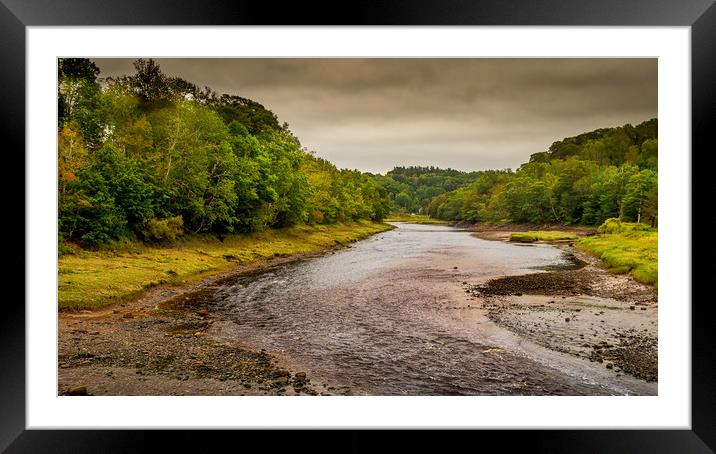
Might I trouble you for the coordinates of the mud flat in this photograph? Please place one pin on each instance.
(582, 310)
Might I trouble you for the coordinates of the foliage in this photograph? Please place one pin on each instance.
(146, 148)
(410, 189)
(607, 173)
(164, 230)
(614, 225)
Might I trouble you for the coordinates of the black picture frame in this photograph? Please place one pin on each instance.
(16, 15)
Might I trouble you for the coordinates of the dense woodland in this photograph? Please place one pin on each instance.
(412, 188)
(149, 157)
(606, 173)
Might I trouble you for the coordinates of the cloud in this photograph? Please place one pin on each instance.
(374, 114)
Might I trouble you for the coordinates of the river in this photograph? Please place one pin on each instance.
(389, 316)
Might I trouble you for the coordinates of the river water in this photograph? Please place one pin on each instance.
(389, 316)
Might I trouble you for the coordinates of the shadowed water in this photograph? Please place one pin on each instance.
(388, 316)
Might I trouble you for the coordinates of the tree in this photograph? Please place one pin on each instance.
(638, 189)
(72, 156)
(73, 74)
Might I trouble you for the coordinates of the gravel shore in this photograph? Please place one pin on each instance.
(582, 310)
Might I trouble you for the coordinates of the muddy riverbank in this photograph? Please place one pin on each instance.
(503, 232)
(420, 310)
(582, 310)
(159, 345)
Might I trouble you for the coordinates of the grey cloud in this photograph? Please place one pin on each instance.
(373, 114)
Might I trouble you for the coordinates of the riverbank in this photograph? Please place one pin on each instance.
(531, 232)
(626, 248)
(583, 309)
(390, 315)
(622, 247)
(95, 279)
(415, 219)
(162, 342)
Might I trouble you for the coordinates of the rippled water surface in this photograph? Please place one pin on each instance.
(388, 316)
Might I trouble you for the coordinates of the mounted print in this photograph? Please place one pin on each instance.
(357, 226)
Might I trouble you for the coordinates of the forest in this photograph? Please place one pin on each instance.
(586, 179)
(150, 157)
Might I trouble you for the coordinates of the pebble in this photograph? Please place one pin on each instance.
(78, 391)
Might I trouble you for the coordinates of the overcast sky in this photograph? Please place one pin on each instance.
(468, 114)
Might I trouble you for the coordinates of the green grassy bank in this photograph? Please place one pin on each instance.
(626, 247)
(93, 279)
(414, 219)
(542, 235)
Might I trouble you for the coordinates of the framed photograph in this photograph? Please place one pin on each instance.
(439, 217)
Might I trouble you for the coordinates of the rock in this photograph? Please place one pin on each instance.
(566, 319)
(78, 391)
(281, 380)
(202, 313)
(631, 308)
(281, 373)
(128, 315)
(518, 294)
(609, 365)
(300, 376)
(454, 267)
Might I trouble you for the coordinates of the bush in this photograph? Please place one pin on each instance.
(164, 230)
(614, 225)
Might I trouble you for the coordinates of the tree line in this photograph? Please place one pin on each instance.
(149, 157)
(410, 189)
(586, 179)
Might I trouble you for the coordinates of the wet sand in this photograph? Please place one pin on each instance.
(582, 310)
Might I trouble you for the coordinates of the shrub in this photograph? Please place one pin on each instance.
(164, 230)
(614, 225)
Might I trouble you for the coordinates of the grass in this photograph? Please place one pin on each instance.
(414, 219)
(542, 235)
(93, 279)
(626, 248)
